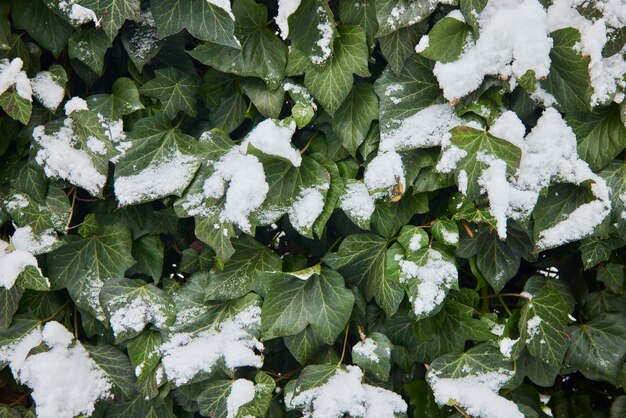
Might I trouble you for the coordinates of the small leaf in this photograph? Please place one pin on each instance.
(176, 91)
(373, 354)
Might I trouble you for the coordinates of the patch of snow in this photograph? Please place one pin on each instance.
(532, 327)
(24, 239)
(241, 392)
(75, 104)
(285, 9)
(307, 207)
(233, 341)
(422, 44)
(506, 346)
(13, 262)
(383, 173)
(11, 74)
(274, 138)
(47, 90)
(325, 29)
(357, 201)
(367, 348)
(133, 314)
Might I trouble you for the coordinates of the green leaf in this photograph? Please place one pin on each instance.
(395, 14)
(303, 345)
(612, 275)
(267, 101)
(9, 302)
(123, 100)
(615, 176)
(16, 106)
(446, 231)
(597, 249)
(202, 19)
(361, 14)
(213, 401)
(132, 304)
(148, 251)
(240, 273)
(597, 347)
(262, 54)
(364, 261)
(353, 119)
(117, 367)
(141, 41)
(475, 361)
(41, 23)
(600, 134)
(312, 31)
(568, 79)
(230, 112)
(403, 95)
(474, 141)
(159, 163)
(543, 324)
(175, 90)
(89, 47)
(140, 408)
(399, 45)
(331, 84)
(446, 40)
(113, 13)
(143, 351)
(373, 354)
(83, 265)
(52, 213)
(292, 303)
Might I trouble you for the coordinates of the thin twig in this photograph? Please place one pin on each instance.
(345, 343)
(56, 312)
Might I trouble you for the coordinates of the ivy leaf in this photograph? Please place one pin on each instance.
(477, 360)
(52, 213)
(42, 24)
(312, 31)
(353, 119)
(123, 100)
(568, 79)
(395, 14)
(214, 400)
(446, 40)
(9, 302)
(446, 231)
(202, 19)
(612, 275)
(364, 261)
(113, 13)
(16, 106)
(117, 367)
(474, 141)
(262, 54)
(83, 264)
(144, 355)
(601, 135)
(400, 44)
(322, 300)
(268, 102)
(140, 408)
(361, 14)
(89, 47)
(176, 91)
(159, 163)
(132, 304)
(543, 322)
(331, 84)
(303, 345)
(403, 95)
(148, 251)
(240, 272)
(615, 175)
(373, 354)
(597, 347)
(597, 249)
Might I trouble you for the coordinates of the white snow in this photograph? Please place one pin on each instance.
(285, 9)
(532, 327)
(274, 138)
(506, 346)
(247, 187)
(47, 90)
(11, 74)
(383, 173)
(434, 278)
(422, 44)
(75, 104)
(449, 159)
(241, 392)
(325, 29)
(344, 393)
(509, 127)
(417, 241)
(15, 257)
(60, 159)
(367, 348)
(233, 341)
(513, 39)
(476, 394)
(163, 178)
(427, 128)
(357, 202)
(25, 240)
(78, 14)
(65, 381)
(307, 207)
(134, 313)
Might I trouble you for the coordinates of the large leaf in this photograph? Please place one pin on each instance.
(395, 14)
(113, 13)
(600, 134)
(365, 261)
(89, 47)
(82, 265)
(353, 119)
(41, 23)
(176, 91)
(225, 398)
(597, 348)
(312, 31)
(202, 19)
(446, 40)
(292, 303)
(331, 84)
(159, 163)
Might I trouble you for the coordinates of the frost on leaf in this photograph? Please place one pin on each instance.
(342, 392)
(233, 342)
